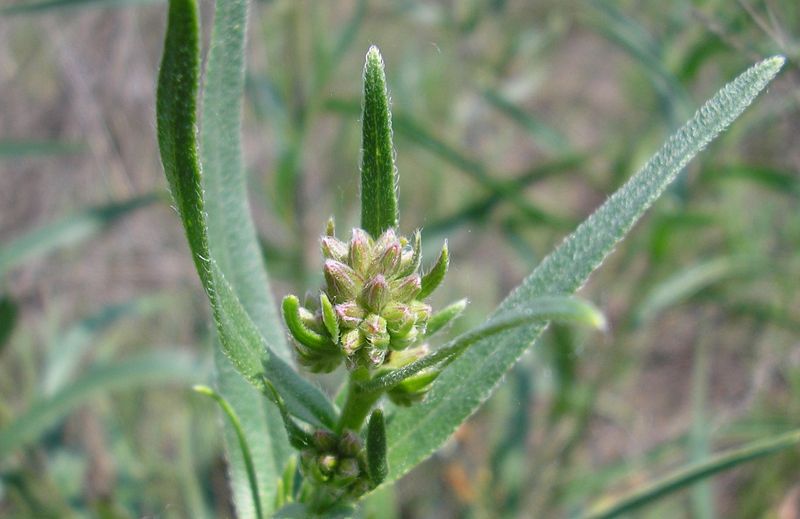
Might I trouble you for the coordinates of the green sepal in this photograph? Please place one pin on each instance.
(432, 279)
(377, 468)
(301, 333)
(445, 316)
(412, 264)
(329, 317)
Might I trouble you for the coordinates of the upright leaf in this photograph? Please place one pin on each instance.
(378, 173)
(416, 432)
(234, 246)
(241, 341)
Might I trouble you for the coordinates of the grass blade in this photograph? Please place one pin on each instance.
(67, 231)
(243, 446)
(8, 319)
(378, 172)
(694, 473)
(416, 432)
(147, 369)
(13, 149)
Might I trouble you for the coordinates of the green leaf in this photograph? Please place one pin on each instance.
(567, 309)
(67, 231)
(144, 370)
(247, 456)
(378, 172)
(694, 473)
(65, 355)
(8, 319)
(48, 5)
(416, 432)
(686, 283)
(12, 149)
(235, 248)
(376, 448)
(241, 340)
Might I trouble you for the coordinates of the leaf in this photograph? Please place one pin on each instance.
(67, 231)
(12, 149)
(235, 248)
(241, 340)
(48, 5)
(688, 282)
(376, 448)
(694, 473)
(416, 432)
(8, 319)
(65, 355)
(378, 172)
(236, 425)
(144, 370)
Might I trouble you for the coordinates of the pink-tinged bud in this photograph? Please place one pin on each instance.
(373, 357)
(374, 330)
(376, 293)
(351, 342)
(389, 237)
(348, 470)
(399, 318)
(333, 249)
(349, 314)
(405, 289)
(360, 252)
(343, 282)
(324, 440)
(422, 311)
(350, 444)
(403, 341)
(387, 260)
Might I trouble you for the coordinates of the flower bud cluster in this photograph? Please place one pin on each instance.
(372, 303)
(337, 463)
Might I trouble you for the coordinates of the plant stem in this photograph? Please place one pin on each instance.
(358, 403)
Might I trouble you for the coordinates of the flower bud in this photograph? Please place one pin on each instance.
(333, 249)
(324, 440)
(399, 318)
(350, 444)
(375, 293)
(405, 289)
(347, 471)
(421, 311)
(374, 330)
(360, 253)
(327, 464)
(351, 341)
(372, 356)
(343, 282)
(349, 314)
(387, 259)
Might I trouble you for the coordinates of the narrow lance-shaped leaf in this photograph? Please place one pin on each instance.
(416, 432)
(686, 476)
(236, 424)
(144, 370)
(567, 309)
(378, 173)
(241, 340)
(376, 448)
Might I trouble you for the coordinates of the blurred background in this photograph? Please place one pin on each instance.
(513, 120)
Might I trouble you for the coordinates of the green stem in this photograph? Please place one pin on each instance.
(358, 403)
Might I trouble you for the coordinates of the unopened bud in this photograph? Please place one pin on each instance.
(405, 289)
(324, 440)
(372, 356)
(350, 443)
(348, 471)
(349, 314)
(327, 463)
(360, 254)
(375, 293)
(333, 249)
(387, 259)
(374, 330)
(411, 258)
(351, 341)
(343, 282)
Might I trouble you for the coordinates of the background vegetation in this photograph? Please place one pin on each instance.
(513, 120)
